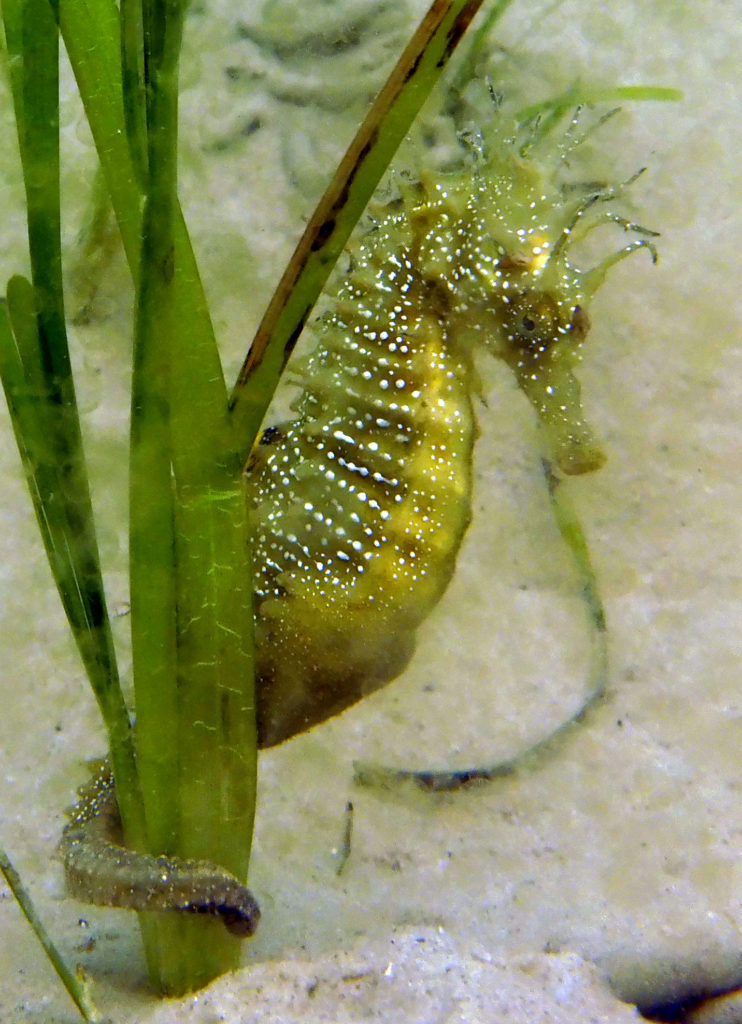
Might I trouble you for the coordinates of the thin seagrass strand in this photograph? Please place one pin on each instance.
(38, 380)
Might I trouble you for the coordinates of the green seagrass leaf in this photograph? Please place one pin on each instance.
(345, 199)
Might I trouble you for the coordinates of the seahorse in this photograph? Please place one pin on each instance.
(361, 502)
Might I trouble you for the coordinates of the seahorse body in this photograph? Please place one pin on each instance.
(360, 504)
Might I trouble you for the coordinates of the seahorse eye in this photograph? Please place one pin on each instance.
(532, 320)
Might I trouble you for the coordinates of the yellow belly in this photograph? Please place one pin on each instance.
(355, 550)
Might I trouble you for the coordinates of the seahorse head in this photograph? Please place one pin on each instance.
(515, 289)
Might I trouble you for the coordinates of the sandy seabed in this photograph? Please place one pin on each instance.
(608, 873)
